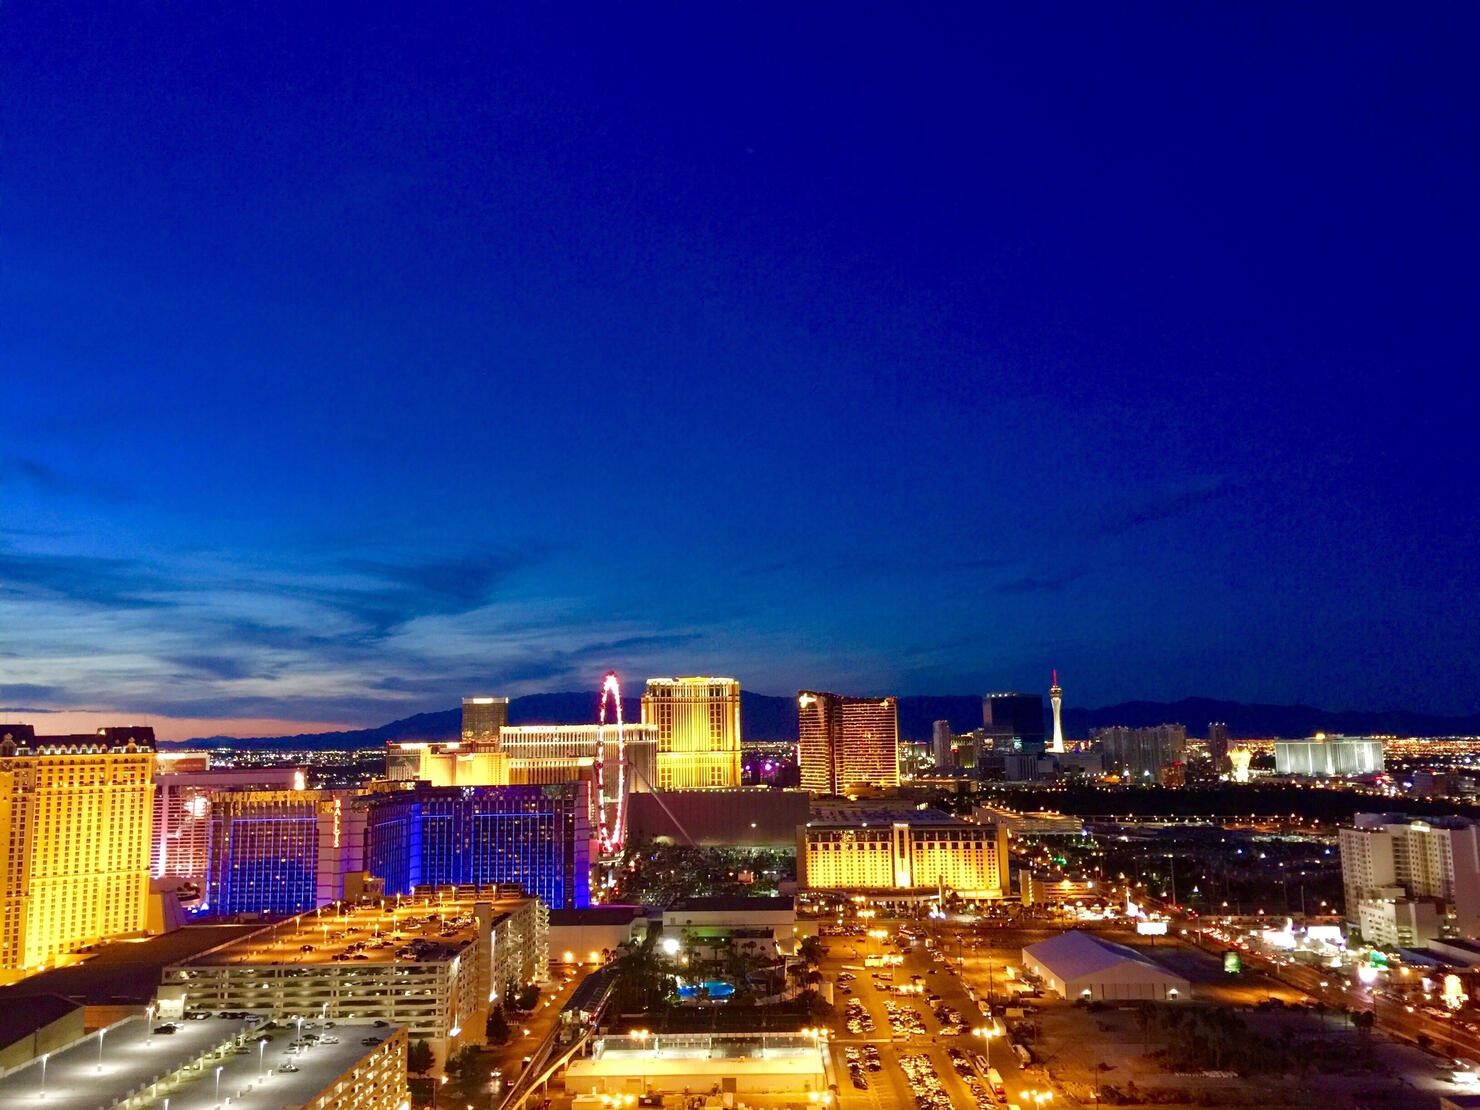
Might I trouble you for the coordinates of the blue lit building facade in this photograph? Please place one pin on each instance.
(281, 851)
(537, 836)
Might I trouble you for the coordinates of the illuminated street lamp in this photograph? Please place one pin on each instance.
(986, 1033)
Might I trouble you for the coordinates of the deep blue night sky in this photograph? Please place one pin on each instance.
(352, 362)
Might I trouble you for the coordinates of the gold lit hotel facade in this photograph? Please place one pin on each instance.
(688, 739)
(698, 731)
(844, 742)
(77, 811)
(885, 851)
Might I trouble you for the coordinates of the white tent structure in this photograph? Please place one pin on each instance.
(1077, 965)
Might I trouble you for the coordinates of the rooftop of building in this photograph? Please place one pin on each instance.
(733, 903)
(853, 815)
(1376, 821)
(591, 991)
(1420, 957)
(133, 1056)
(1075, 954)
(597, 915)
(850, 699)
(228, 775)
(1031, 815)
(1328, 738)
(1460, 945)
(417, 931)
(124, 972)
(27, 740)
(39, 1011)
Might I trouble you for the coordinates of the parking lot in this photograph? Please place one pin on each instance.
(906, 1031)
(415, 932)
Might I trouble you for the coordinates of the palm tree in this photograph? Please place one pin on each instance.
(642, 977)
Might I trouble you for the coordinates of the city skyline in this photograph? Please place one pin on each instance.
(936, 356)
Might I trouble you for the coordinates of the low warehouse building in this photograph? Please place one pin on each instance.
(595, 935)
(1077, 965)
(785, 1064)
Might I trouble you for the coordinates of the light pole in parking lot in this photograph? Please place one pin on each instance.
(986, 1033)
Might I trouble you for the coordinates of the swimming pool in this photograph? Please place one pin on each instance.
(712, 988)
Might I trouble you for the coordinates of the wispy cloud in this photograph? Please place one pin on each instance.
(1042, 583)
(404, 591)
(640, 643)
(20, 692)
(53, 482)
(227, 667)
(904, 562)
(1164, 506)
(92, 580)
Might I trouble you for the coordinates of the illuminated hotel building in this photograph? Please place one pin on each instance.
(1323, 756)
(282, 851)
(560, 753)
(536, 755)
(77, 811)
(845, 742)
(446, 764)
(925, 850)
(538, 837)
(1389, 857)
(184, 784)
(698, 724)
(483, 717)
(1140, 752)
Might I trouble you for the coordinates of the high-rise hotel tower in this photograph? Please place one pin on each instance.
(1056, 699)
(698, 723)
(483, 717)
(844, 742)
(76, 813)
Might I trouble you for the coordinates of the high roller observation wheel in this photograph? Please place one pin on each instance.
(610, 836)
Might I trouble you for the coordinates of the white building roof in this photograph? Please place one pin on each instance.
(1075, 955)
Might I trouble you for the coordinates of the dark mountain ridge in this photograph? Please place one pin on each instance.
(764, 718)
